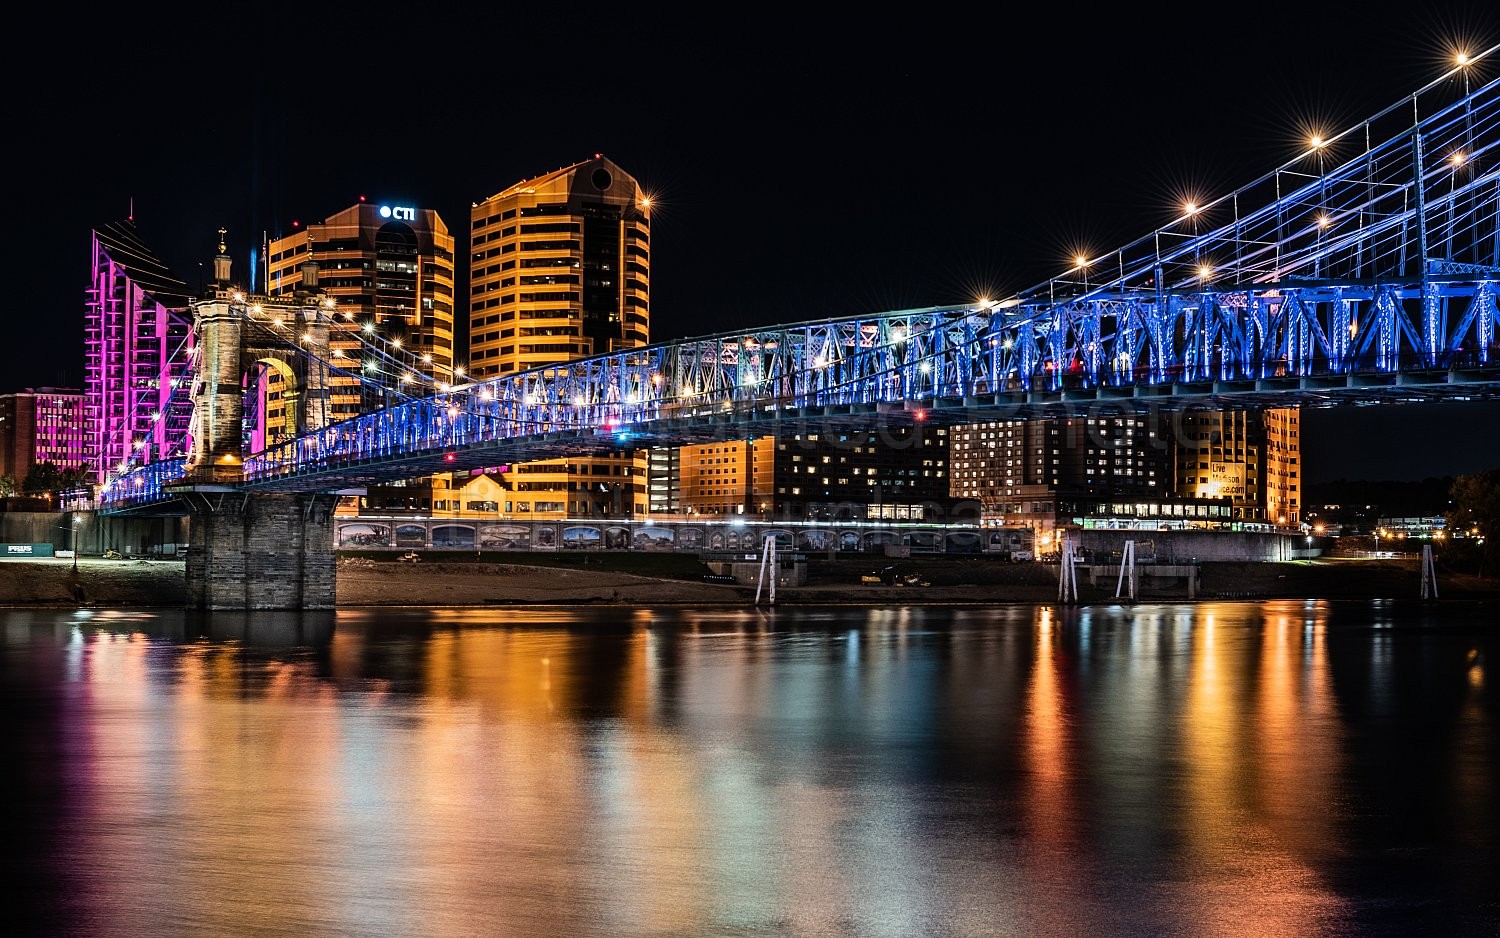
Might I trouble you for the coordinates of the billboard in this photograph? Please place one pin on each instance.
(1226, 479)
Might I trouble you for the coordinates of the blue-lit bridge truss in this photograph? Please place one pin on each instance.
(1366, 270)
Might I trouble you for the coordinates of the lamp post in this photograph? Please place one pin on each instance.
(76, 521)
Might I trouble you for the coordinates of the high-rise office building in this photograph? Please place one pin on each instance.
(42, 425)
(137, 344)
(897, 473)
(1252, 457)
(1019, 469)
(560, 269)
(1204, 468)
(390, 270)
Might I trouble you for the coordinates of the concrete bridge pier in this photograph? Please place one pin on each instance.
(260, 551)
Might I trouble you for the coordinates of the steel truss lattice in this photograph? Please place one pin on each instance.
(1375, 279)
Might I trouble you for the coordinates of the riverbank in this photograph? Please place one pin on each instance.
(677, 580)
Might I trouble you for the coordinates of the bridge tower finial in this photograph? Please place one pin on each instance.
(221, 262)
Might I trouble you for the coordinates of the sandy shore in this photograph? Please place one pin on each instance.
(367, 582)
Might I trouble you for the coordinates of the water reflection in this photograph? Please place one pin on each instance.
(1219, 768)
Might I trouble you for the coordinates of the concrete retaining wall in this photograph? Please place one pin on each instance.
(96, 533)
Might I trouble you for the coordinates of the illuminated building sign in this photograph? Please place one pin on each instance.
(1226, 479)
(398, 212)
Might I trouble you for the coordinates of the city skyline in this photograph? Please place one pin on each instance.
(887, 177)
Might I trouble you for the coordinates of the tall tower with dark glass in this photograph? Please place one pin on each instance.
(137, 345)
(560, 268)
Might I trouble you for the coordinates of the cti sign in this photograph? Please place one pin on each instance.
(398, 212)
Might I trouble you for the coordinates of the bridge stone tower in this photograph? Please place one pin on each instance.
(253, 550)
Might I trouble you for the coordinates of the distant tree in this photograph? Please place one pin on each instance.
(43, 477)
(76, 478)
(1476, 508)
(8, 486)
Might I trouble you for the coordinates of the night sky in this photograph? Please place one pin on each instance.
(799, 170)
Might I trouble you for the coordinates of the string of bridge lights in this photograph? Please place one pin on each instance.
(1322, 218)
(1189, 253)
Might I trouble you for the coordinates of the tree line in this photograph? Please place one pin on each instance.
(46, 477)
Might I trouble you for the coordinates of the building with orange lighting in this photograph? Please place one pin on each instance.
(1251, 457)
(559, 269)
(390, 270)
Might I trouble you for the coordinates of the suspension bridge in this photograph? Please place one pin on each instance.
(1364, 270)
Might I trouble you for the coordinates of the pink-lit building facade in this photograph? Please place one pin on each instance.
(40, 425)
(137, 348)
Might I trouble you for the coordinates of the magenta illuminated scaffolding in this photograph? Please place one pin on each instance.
(136, 347)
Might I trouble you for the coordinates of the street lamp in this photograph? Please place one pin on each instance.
(76, 521)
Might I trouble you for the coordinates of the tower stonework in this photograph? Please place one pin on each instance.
(260, 551)
(247, 549)
(233, 333)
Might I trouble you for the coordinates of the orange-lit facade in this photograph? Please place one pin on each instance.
(731, 478)
(389, 268)
(560, 268)
(1251, 457)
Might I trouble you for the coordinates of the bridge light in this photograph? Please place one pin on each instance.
(443, 386)
(448, 457)
(578, 401)
(486, 395)
(307, 336)
(1204, 271)
(256, 309)
(452, 412)
(396, 343)
(459, 370)
(1081, 261)
(239, 297)
(369, 327)
(1458, 159)
(348, 314)
(278, 321)
(1316, 141)
(921, 415)
(1324, 221)
(330, 303)
(1007, 343)
(926, 367)
(1461, 59)
(406, 379)
(1190, 208)
(427, 358)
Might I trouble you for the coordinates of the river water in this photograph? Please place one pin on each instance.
(1284, 768)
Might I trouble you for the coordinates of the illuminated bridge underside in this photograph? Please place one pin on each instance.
(1311, 346)
(1364, 271)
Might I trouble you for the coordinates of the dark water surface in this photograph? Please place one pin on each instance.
(1285, 768)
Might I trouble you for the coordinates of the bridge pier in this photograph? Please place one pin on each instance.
(260, 551)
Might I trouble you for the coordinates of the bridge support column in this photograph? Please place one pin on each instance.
(260, 551)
